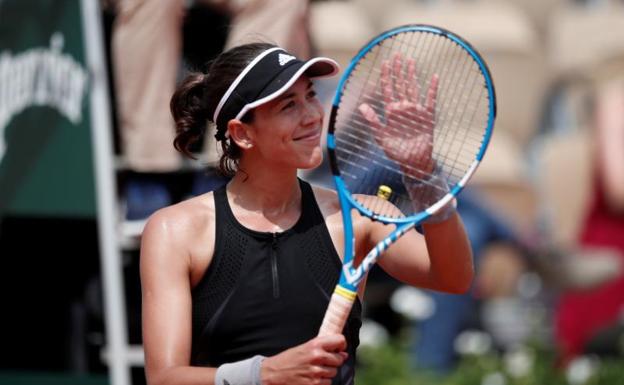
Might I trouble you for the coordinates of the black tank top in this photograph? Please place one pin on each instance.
(267, 292)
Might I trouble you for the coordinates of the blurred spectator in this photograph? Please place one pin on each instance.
(435, 336)
(584, 315)
(147, 41)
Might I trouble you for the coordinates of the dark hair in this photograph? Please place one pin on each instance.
(196, 98)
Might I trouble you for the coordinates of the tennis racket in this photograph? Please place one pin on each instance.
(415, 108)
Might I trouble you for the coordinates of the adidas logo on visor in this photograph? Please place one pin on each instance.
(283, 58)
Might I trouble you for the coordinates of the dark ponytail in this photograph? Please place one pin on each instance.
(189, 112)
(195, 100)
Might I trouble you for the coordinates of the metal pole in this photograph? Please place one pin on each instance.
(110, 252)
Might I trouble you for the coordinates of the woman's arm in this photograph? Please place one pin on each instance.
(441, 260)
(166, 291)
(450, 254)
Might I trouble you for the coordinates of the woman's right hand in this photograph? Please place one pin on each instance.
(315, 362)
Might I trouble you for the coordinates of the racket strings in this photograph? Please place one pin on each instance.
(461, 113)
(460, 110)
(358, 160)
(383, 52)
(363, 126)
(475, 75)
(452, 100)
(358, 139)
(363, 151)
(361, 133)
(407, 122)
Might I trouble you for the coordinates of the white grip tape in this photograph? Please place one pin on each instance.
(337, 312)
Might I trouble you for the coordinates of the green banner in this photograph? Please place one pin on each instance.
(46, 165)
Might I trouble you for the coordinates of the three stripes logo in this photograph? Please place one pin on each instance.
(283, 58)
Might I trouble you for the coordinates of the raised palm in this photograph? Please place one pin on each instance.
(406, 135)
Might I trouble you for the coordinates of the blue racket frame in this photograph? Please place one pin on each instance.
(351, 276)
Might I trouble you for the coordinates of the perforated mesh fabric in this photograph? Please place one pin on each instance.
(220, 278)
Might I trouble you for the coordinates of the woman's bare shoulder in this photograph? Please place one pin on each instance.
(182, 221)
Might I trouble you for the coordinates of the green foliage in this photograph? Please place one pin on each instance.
(390, 365)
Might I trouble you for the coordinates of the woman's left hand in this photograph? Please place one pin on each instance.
(406, 136)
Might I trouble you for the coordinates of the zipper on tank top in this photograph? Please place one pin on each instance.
(274, 271)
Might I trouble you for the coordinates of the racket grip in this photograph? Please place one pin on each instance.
(338, 311)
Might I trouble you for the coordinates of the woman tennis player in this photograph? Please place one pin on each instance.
(236, 282)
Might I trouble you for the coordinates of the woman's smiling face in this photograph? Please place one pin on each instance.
(288, 129)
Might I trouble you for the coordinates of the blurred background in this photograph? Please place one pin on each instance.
(86, 157)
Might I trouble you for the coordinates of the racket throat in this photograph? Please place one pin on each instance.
(354, 275)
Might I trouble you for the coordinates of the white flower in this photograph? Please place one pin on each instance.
(373, 334)
(496, 378)
(518, 362)
(412, 303)
(581, 369)
(473, 342)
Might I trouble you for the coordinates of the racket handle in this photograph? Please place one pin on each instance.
(338, 311)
